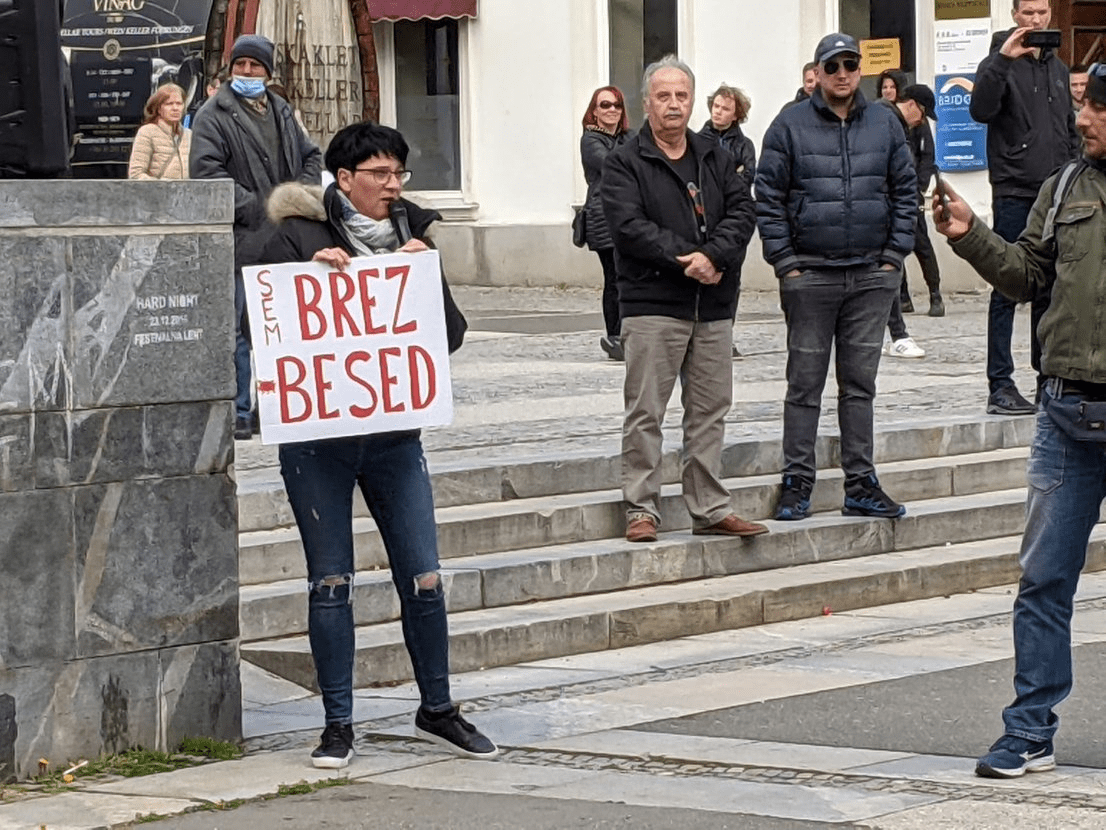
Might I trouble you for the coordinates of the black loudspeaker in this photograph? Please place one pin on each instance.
(35, 110)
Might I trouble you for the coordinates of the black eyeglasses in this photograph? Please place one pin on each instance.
(381, 175)
(850, 64)
(610, 105)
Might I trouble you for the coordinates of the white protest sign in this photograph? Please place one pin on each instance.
(349, 352)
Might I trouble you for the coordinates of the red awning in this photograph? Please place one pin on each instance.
(420, 9)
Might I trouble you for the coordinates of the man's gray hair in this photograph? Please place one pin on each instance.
(667, 62)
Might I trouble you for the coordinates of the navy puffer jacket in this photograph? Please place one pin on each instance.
(833, 193)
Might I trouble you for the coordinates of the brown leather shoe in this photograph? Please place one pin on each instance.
(731, 526)
(642, 529)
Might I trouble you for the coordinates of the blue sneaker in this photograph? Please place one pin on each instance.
(1011, 757)
(794, 499)
(867, 499)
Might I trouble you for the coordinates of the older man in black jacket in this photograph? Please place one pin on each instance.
(836, 211)
(680, 217)
(248, 134)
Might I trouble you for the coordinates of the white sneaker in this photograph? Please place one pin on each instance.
(906, 347)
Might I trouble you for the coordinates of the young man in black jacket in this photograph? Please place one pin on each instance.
(681, 217)
(836, 207)
(1021, 94)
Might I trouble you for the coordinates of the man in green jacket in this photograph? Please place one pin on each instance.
(1061, 249)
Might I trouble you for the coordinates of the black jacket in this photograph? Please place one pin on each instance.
(652, 221)
(833, 193)
(307, 219)
(594, 147)
(225, 145)
(925, 162)
(738, 145)
(1026, 106)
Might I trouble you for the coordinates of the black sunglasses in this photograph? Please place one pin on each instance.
(610, 105)
(850, 64)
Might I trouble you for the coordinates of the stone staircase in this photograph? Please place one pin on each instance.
(535, 565)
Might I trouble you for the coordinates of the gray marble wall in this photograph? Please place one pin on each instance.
(118, 520)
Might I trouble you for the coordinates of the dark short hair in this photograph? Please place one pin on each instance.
(354, 143)
(809, 65)
(1078, 69)
(1018, 3)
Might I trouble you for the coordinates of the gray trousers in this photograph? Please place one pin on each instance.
(843, 311)
(658, 350)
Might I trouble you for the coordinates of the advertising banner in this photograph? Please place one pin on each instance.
(119, 52)
(960, 143)
(349, 352)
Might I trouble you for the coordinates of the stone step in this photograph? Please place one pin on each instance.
(503, 475)
(595, 622)
(587, 567)
(474, 529)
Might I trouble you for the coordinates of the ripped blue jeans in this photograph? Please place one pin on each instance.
(390, 468)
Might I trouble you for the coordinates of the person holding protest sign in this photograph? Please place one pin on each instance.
(361, 214)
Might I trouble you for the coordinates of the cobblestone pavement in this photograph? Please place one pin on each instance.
(531, 379)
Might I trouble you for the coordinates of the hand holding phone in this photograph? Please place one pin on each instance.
(942, 191)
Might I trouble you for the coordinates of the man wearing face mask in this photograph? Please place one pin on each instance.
(247, 134)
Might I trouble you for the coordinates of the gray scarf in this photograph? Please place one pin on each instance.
(367, 235)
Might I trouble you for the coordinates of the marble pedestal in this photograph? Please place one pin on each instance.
(118, 520)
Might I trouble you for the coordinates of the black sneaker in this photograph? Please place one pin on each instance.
(794, 501)
(867, 499)
(456, 734)
(1009, 401)
(907, 304)
(335, 747)
(243, 428)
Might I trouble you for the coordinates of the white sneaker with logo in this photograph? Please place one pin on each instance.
(906, 347)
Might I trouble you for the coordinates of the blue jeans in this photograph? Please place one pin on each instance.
(842, 310)
(242, 406)
(390, 469)
(1067, 483)
(1011, 214)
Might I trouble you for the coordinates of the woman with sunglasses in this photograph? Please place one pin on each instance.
(605, 126)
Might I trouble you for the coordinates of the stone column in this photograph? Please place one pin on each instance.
(118, 520)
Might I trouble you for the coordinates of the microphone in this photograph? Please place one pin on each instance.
(398, 214)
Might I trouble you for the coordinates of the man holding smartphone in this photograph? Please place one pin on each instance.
(1021, 94)
(1061, 251)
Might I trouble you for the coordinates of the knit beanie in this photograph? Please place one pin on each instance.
(258, 47)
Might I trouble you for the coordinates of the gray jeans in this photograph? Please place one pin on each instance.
(658, 350)
(844, 310)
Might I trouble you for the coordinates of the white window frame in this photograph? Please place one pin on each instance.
(454, 205)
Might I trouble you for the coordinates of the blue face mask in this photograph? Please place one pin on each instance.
(248, 87)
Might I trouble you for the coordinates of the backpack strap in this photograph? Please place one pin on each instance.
(1063, 185)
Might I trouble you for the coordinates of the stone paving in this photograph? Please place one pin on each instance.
(596, 729)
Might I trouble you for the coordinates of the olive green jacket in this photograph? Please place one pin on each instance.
(1072, 331)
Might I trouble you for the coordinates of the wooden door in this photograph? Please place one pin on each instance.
(1083, 23)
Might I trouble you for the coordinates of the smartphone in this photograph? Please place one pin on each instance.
(942, 193)
(1042, 38)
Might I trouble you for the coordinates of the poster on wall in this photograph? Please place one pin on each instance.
(119, 52)
(960, 143)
